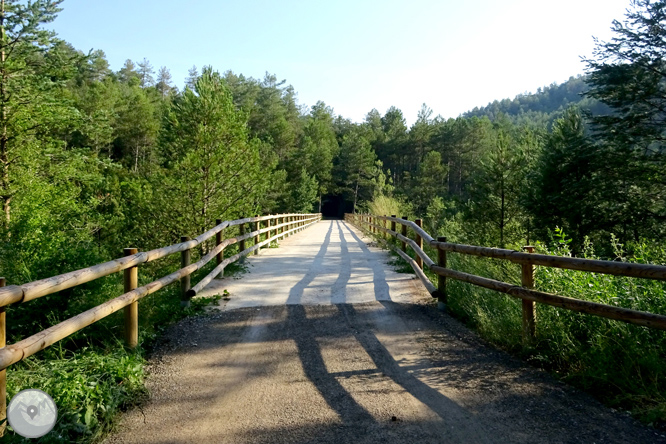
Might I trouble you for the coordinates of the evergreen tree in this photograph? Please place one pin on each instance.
(128, 73)
(628, 74)
(145, 72)
(213, 167)
(34, 67)
(318, 147)
(164, 84)
(192, 77)
(565, 192)
(496, 190)
(356, 167)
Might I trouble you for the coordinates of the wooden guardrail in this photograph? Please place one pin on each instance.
(376, 225)
(283, 225)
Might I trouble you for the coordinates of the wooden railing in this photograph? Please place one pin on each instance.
(375, 225)
(277, 226)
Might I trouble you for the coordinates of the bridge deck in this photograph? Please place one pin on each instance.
(328, 263)
(341, 362)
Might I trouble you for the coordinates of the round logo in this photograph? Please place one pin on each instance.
(32, 413)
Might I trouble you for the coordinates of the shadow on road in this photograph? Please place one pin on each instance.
(356, 373)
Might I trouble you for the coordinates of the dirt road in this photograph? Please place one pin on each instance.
(330, 363)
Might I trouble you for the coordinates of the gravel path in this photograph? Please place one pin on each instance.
(361, 368)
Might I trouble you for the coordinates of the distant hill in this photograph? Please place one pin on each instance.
(544, 106)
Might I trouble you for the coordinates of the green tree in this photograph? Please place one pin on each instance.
(145, 72)
(318, 147)
(628, 74)
(497, 188)
(136, 129)
(565, 191)
(34, 67)
(164, 83)
(356, 167)
(213, 167)
(128, 73)
(303, 193)
(192, 76)
(428, 183)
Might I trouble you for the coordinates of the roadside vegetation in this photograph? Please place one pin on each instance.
(94, 160)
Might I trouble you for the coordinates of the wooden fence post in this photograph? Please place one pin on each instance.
(257, 225)
(131, 280)
(218, 240)
(403, 231)
(529, 309)
(441, 280)
(3, 373)
(185, 257)
(383, 233)
(241, 231)
(419, 242)
(393, 224)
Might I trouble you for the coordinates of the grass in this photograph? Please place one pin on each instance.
(90, 375)
(620, 364)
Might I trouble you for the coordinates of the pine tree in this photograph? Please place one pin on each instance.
(192, 77)
(164, 85)
(128, 73)
(146, 73)
(213, 167)
(33, 68)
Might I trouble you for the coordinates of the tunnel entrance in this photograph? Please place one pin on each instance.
(335, 207)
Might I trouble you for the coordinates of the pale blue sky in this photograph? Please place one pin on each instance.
(356, 55)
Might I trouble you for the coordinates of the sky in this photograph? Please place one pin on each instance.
(356, 55)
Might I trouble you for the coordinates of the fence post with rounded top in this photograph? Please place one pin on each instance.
(441, 280)
(257, 226)
(185, 258)
(419, 242)
(131, 281)
(218, 240)
(529, 308)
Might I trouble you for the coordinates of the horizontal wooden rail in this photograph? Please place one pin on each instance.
(35, 343)
(645, 271)
(218, 269)
(43, 287)
(419, 272)
(607, 311)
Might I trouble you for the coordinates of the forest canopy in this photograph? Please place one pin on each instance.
(94, 159)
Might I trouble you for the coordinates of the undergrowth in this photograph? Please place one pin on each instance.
(91, 375)
(621, 364)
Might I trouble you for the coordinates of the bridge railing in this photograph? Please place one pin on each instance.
(276, 226)
(376, 225)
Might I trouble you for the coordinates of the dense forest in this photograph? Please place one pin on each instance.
(546, 105)
(94, 160)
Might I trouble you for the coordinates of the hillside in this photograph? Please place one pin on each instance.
(543, 106)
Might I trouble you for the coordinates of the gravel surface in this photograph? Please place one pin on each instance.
(367, 372)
